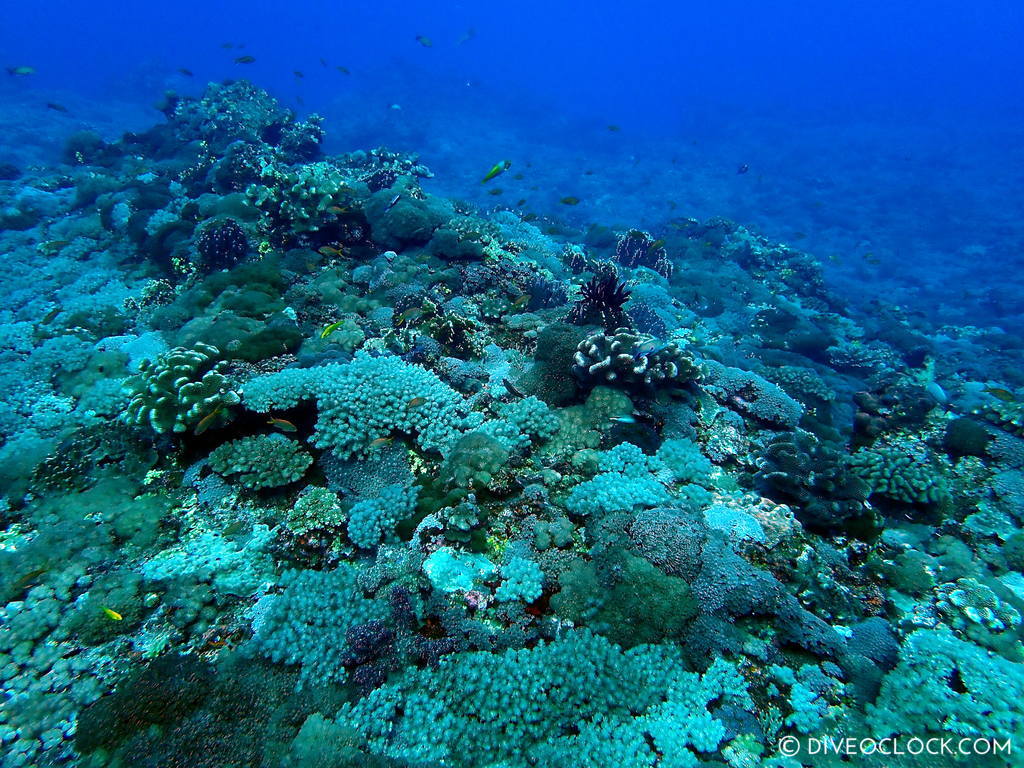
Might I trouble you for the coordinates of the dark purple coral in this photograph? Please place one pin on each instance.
(602, 300)
(222, 244)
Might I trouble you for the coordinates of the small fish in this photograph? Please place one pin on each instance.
(338, 209)
(233, 528)
(331, 328)
(496, 170)
(522, 301)
(416, 402)
(380, 442)
(799, 235)
(413, 313)
(870, 258)
(614, 128)
(394, 202)
(327, 250)
(1000, 394)
(512, 388)
(650, 347)
(743, 169)
(425, 41)
(623, 419)
(25, 579)
(185, 72)
(227, 45)
(206, 421)
(937, 393)
(468, 35)
(570, 200)
(112, 614)
(519, 177)
(283, 424)
(50, 316)
(21, 71)
(56, 107)
(343, 70)
(245, 60)
(659, 243)
(520, 202)
(495, 191)
(323, 62)
(298, 73)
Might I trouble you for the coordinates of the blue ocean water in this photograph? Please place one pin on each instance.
(695, 429)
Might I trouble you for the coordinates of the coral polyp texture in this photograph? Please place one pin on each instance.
(304, 464)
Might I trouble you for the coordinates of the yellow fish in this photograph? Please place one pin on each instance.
(112, 614)
(206, 421)
(496, 170)
(283, 424)
(380, 442)
(413, 313)
(416, 402)
(331, 329)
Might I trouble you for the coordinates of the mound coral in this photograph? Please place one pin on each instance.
(263, 461)
(180, 388)
(630, 360)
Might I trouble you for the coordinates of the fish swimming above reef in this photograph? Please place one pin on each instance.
(56, 107)
(21, 71)
(1000, 394)
(496, 170)
(468, 35)
(245, 60)
(185, 72)
(343, 70)
(425, 41)
(570, 200)
(331, 329)
(742, 169)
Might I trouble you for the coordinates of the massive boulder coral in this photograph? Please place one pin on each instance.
(180, 388)
(751, 394)
(899, 475)
(630, 360)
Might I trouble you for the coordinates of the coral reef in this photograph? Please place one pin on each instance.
(304, 464)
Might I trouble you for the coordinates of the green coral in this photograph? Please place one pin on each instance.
(316, 508)
(262, 461)
(180, 388)
(300, 195)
